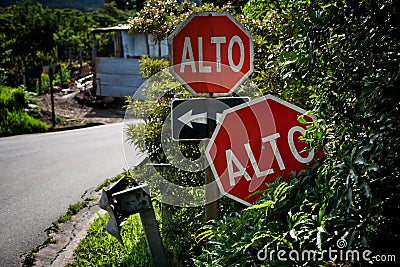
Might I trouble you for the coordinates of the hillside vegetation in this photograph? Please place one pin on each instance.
(34, 36)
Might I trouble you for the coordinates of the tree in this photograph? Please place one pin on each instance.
(28, 33)
(33, 36)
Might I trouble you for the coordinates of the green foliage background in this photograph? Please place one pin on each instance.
(340, 59)
(33, 36)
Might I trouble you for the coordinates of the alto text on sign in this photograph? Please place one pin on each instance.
(188, 59)
(256, 143)
(211, 53)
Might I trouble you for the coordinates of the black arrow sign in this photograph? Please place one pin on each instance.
(196, 118)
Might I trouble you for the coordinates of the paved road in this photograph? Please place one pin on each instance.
(42, 174)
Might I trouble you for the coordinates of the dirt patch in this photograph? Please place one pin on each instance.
(79, 109)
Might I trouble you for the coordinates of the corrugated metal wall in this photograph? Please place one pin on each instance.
(117, 77)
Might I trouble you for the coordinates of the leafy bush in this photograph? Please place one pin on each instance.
(161, 17)
(339, 58)
(19, 122)
(179, 225)
(13, 117)
(358, 63)
(12, 98)
(150, 67)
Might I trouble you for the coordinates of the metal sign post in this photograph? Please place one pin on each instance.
(51, 70)
(196, 119)
(211, 54)
(53, 114)
(121, 204)
(212, 192)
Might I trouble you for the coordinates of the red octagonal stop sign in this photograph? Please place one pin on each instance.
(254, 144)
(210, 52)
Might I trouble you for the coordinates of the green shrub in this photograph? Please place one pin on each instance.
(179, 225)
(13, 98)
(13, 117)
(18, 122)
(45, 84)
(150, 67)
(338, 58)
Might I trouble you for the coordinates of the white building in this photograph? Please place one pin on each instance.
(119, 76)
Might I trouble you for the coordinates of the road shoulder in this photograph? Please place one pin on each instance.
(67, 238)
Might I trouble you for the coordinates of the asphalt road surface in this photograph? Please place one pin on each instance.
(42, 174)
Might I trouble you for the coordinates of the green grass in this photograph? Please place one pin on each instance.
(91, 198)
(129, 176)
(178, 232)
(13, 117)
(108, 182)
(99, 248)
(72, 210)
(18, 122)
